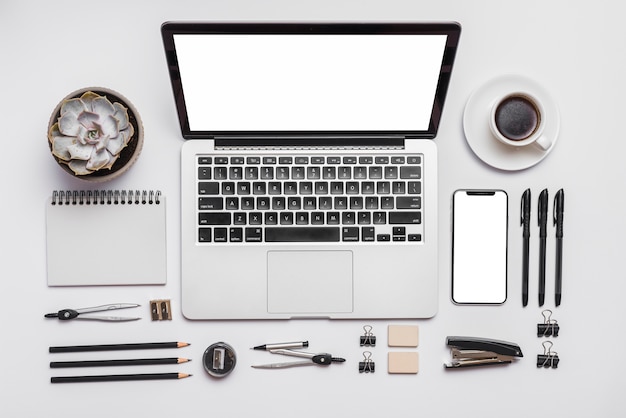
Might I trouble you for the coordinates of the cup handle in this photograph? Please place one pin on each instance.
(543, 142)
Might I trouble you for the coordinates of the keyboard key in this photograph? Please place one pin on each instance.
(210, 203)
(408, 217)
(214, 218)
(254, 234)
(286, 218)
(204, 173)
(350, 233)
(220, 235)
(220, 173)
(302, 234)
(367, 233)
(302, 218)
(267, 173)
(411, 172)
(415, 187)
(297, 173)
(204, 234)
(271, 218)
(256, 218)
(236, 234)
(228, 188)
(415, 237)
(409, 202)
(205, 187)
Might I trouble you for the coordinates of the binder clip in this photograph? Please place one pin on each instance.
(470, 351)
(368, 339)
(550, 327)
(367, 365)
(549, 358)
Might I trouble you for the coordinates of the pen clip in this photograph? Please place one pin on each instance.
(557, 212)
(543, 212)
(525, 212)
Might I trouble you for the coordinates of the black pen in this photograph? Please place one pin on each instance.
(559, 202)
(279, 346)
(542, 220)
(525, 222)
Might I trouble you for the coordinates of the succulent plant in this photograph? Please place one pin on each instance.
(90, 133)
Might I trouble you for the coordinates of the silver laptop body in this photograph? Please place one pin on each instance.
(309, 171)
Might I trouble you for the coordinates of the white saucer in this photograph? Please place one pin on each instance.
(484, 143)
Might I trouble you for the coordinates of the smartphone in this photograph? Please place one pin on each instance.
(479, 246)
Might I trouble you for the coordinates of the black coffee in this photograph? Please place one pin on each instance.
(517, 118)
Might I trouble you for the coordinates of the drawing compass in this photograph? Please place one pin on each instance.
(67, 314)
(312, 359)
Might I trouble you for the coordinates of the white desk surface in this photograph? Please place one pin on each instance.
(573, 48)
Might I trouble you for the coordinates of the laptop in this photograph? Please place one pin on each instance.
(309, 170)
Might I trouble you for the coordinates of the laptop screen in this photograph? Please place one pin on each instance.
(290, 78)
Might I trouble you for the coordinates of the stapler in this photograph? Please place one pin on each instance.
(471, 351)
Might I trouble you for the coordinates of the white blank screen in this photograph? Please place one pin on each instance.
(309, 82)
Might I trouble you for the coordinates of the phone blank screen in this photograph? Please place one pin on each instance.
(479, 247)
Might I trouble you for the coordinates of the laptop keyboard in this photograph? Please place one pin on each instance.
(338, 198)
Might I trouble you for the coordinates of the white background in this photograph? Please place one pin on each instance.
(574, 49)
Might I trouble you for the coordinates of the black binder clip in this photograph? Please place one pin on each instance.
(368, 339)
(469, 351)
(550, 327)
(367, 365)
(549, 358)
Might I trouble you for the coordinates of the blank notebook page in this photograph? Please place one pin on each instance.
(106, 243)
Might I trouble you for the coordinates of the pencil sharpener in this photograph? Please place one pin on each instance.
(219, 359)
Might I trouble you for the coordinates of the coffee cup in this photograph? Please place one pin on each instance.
(518, 119)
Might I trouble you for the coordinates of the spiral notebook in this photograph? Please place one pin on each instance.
(112, 237)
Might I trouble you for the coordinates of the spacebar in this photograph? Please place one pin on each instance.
(302, 234)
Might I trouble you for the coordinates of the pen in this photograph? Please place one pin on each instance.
(542, 220)
(278, 346)
(559, 202)
(525, 222)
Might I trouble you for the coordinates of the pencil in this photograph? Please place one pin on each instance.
(118, 377)
(115, 347)
(124, 362)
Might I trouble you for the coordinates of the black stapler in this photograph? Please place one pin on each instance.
(471, 351)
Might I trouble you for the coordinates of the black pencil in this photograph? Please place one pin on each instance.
(115, 347)
(123, 362)
(118, 377)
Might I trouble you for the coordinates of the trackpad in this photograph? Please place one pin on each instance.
(309, 282)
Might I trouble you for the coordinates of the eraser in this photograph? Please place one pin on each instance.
(403, 362)
(403, 335)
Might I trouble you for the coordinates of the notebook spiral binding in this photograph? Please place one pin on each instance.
(106, 197)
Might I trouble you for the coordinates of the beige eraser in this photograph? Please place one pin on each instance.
(403, 362)
(403, 335)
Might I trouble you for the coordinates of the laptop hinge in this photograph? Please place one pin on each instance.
(310, 141)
